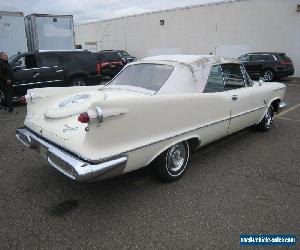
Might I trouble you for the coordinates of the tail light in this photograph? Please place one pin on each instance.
(23, 100)
(84, 117)
(120, 62)
(98, 68)
(286, 62)
(104, 64)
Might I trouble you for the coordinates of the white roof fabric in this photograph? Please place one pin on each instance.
(199, 65)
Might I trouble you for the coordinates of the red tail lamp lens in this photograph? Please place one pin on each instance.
(98, 68)
(84, 117)
(286, 62)
(23, 100)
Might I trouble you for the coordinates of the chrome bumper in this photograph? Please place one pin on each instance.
(71, 166)
(282, 106)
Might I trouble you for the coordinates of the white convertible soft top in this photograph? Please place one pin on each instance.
(199, 65)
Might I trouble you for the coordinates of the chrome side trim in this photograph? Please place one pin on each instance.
(279, 89)
(249, 111)
(113, 114)
(39, 68)
(70, 165)
(32, 83)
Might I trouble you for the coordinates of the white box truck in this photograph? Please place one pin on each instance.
(50, 32)
(12, 32)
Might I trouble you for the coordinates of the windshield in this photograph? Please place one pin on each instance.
(11, 59)
(144, 75)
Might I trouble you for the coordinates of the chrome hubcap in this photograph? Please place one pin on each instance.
(79, 83)
(176, 157)
(268, 76)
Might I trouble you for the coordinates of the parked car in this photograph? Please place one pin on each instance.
(269, 65)
(155, 111)
(109, 63)
(125, 56)
(53, 69)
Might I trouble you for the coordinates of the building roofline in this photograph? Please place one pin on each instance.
(222, 2)
(49, 15)
(11, 13)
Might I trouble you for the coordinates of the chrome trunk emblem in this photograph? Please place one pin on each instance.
(68, 128)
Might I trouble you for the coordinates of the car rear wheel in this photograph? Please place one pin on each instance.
(78, 81)
(267, 121)
(268, 75)
(172, 163)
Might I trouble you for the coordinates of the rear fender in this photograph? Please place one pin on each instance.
(172, 142)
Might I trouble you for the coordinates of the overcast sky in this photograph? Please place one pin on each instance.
(93, 10)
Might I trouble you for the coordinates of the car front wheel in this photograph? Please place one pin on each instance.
(172, 164)
(267, 121)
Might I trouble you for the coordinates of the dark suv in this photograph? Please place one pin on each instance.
(269, 65)
(54, 69)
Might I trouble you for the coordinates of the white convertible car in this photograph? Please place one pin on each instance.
(156, 110)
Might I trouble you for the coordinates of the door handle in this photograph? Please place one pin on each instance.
(35, 75)
(234, 97)
(58, 71)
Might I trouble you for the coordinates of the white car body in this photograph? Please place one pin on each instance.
(131, 126)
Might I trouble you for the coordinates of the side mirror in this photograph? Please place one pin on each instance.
(261, 81)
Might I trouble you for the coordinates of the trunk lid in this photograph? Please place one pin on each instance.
(55, 116)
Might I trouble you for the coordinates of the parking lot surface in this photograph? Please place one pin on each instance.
(248, 183)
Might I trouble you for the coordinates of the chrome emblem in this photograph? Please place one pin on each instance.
(68, 128)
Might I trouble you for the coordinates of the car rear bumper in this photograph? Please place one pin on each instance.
(71, 166)
(284, 73)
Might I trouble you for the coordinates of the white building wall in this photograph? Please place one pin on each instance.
(227, 29)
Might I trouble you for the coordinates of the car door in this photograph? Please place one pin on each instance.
(51, 71)
(247, 102)
(255, 65)
(215, 87)
(26, 74)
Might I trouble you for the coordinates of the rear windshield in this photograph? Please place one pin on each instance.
(144, 75)
(123, 53)
(108, 56)
(283, 57)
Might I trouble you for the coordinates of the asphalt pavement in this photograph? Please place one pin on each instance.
(248, 183)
